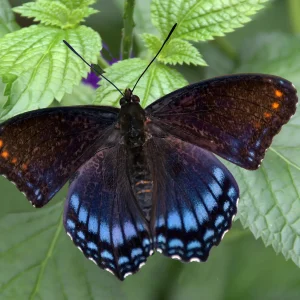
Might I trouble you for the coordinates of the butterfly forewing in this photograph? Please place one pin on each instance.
(40, 150)
(102, 216)
(194, 199)
(233, 116)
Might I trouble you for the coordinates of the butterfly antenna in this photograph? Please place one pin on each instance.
(173, 28)
(92, 67)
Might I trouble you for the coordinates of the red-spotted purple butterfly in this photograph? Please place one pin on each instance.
(146, 179)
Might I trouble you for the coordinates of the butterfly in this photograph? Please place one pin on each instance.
(145, 180)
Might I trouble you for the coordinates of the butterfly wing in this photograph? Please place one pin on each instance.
(194, 199)
(233, 116)
(102, 217)
(40, 150)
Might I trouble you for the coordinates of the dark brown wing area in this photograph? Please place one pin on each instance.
(40, 150)
(233, 116)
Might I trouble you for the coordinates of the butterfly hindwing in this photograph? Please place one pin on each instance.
(102, 217)
(40, 150)
(233, 116)
(194, 199)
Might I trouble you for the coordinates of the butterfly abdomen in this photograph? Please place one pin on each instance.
(141, 179)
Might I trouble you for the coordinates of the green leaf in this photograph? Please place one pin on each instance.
(73, 4)
(3, 98)
(7, 19)
(159, 80)
(177, 51)
(61, 13)
(41, 262)
(272, 53)
(200, 20)
(218, 62)
(82, 95)
(37, 67)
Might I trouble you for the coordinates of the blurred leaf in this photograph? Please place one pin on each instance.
(82, 95)
(73, 4)
(40, 261)
(142, 17)
(219, 64)
(272, 53)
(7, 19)
(200, 20)
(3, 98)
(37, 67)
(159, 80)
(177, 51)
(61, 13)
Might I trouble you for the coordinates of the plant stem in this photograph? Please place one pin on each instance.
(294, 9)
(102, 62)
(128, 28)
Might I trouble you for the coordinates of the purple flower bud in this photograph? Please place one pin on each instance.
(92, 79)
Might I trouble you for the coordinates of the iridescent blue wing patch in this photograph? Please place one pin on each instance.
(102, 217)
(194, 201)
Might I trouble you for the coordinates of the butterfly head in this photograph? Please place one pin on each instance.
(132, 119)
(129, 98)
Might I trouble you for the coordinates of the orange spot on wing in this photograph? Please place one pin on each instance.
(24, 167)
(278, 93)
(275, 105)
(267, 115)
(5, 154)
(14, 160)
(1, 143)
(257, 125)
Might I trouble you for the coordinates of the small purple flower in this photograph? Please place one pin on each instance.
(92, 79)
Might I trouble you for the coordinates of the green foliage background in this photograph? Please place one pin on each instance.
(37, 259)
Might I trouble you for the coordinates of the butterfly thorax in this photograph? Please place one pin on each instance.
(131, 121)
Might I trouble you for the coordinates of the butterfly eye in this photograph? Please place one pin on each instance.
(135, 99)
(122, 101)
